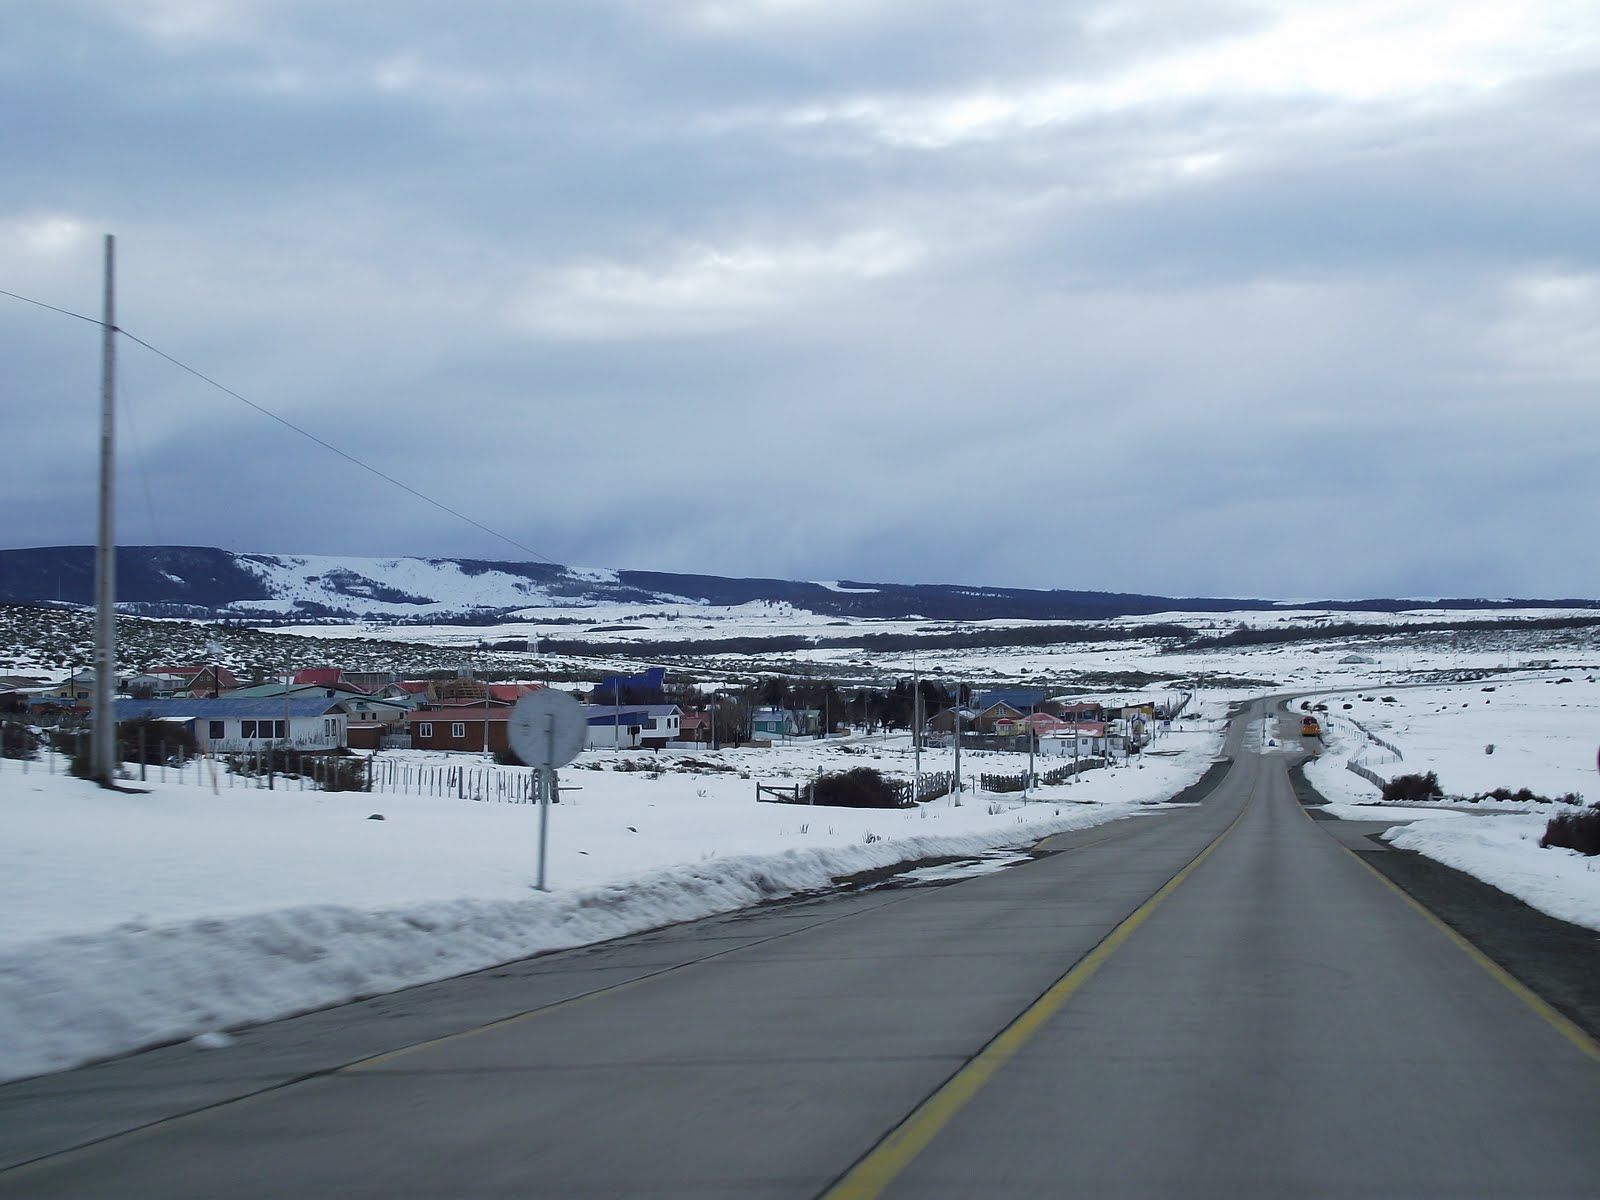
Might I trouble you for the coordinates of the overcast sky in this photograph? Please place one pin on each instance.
(1290, 300)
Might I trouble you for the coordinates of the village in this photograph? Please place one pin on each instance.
(329, 710)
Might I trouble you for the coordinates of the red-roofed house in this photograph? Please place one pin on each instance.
(200, 679)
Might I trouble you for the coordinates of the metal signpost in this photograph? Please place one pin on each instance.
(547, 730)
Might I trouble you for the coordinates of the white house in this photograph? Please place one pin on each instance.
(1085, 740)
(231, 724)
(632, 725)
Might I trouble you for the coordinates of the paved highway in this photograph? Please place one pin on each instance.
(1218, 1001)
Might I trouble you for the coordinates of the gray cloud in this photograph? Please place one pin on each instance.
(1109, 297)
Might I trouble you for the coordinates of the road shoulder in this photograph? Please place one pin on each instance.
(1558, 961)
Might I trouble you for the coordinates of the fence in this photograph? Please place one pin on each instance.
(498, 785)
(934, 784)
(779, 793)
(53, 752)
(1372, 737)
(1063, 774)
(1004, 783)
(1366, 773)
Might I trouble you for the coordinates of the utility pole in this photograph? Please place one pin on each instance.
(956, 790)
(103, 734)
(916, 732)
(1032, 733)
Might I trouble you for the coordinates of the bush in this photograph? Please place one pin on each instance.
(863, 787)
(158, 738)
(1404, 788)
(1574, 831)
(331, 773)
(1526, 796)
(18, 741)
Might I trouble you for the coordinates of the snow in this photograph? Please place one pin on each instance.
(1544, 733)
(1504, 851)
(441, 584)
(140, 919)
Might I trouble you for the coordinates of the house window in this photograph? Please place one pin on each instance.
(217, 731)
(247, 729)
(424, 729)
(458, 729)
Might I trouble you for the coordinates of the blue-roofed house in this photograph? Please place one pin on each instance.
(229, 724)
(630, 725)
(1022, 700)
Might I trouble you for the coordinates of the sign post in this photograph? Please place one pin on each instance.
(547, 730)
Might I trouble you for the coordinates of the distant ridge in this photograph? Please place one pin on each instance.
(208, 583)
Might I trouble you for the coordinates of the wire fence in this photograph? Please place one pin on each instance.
(25, 750)
(460, 781)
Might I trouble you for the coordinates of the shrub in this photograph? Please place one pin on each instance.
(1574, 831)
(18, 741)
(1526, 796)
(330, 772)
(862, 787)
(158, 739)
(1412, 788)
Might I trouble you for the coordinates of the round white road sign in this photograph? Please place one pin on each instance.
(547, 728)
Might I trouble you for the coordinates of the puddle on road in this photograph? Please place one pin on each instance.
(950, 872)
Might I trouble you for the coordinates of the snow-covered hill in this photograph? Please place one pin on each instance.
(209, 583)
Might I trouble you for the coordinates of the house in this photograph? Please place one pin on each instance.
(694, 727)
(229, 724)
(1039, 723)
(944, 721)
(998, 711)
(1086, 739)
(1019, 700)
(481, 728)
(630, 725)
(76, 688)
(198, 679)
(1081, 710)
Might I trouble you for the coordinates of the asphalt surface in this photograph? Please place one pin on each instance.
(1279, 1023)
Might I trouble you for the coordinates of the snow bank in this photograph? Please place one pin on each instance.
(1504, 852)
(67, 1000)
(1495, 841)
(139, 919)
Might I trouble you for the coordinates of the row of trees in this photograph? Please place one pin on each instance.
(733, 709)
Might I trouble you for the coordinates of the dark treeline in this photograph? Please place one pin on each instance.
(960, 639)
(1270, 635)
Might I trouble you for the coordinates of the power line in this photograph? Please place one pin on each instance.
(66, 312)
(288, 424)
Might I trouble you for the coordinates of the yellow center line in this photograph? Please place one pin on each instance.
(884, 1162)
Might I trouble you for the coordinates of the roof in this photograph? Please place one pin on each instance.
(258, 690)
(1083, 728)
(1021, 699)
(513, 691)
(226, 707)
(319, 676)
(459, 714)
(607, 711)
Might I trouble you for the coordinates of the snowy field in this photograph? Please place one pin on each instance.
(139, 919)
(1544, 731)
(135, 919)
